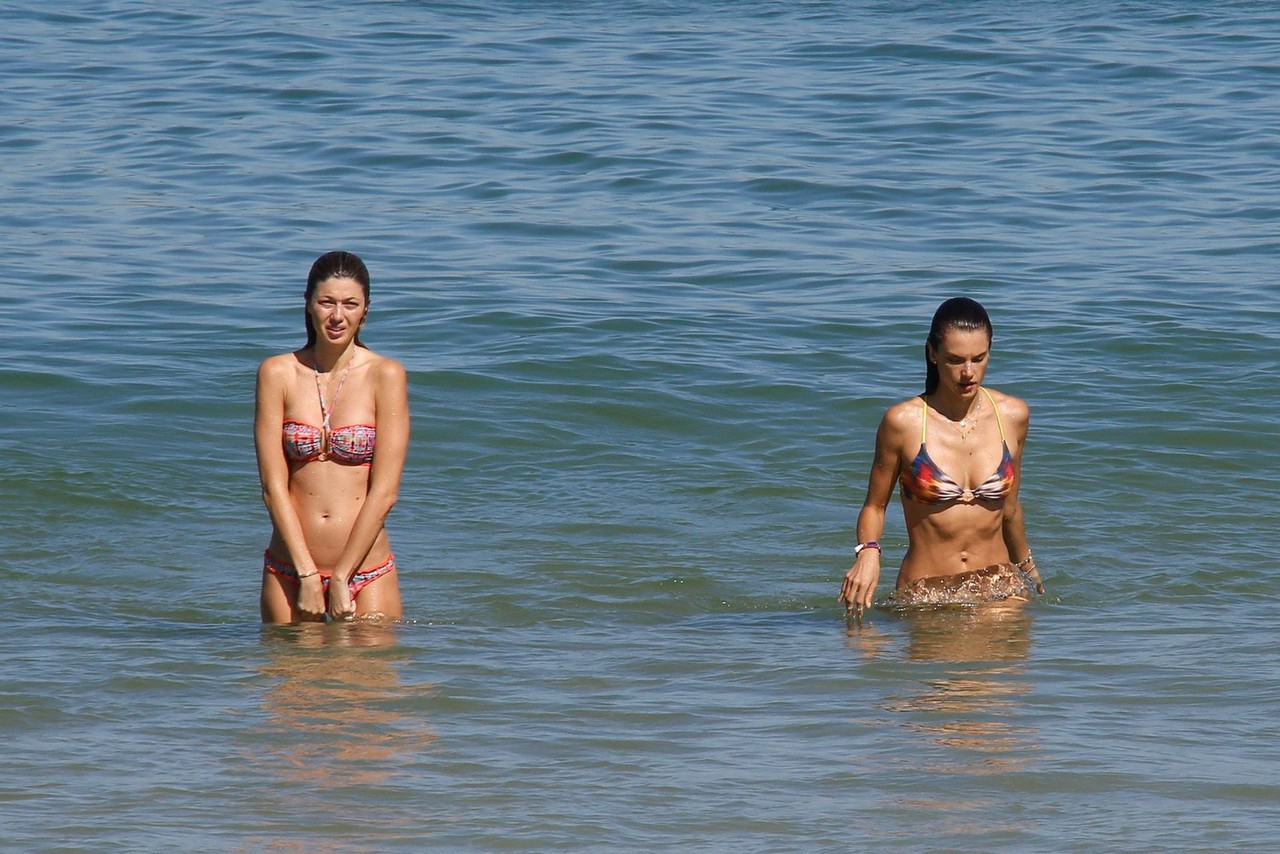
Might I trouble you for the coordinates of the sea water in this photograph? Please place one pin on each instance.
(655, 270)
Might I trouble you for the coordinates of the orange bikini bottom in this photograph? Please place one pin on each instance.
(356, 583)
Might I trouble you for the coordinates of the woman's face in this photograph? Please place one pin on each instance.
(962, 360)
(337, 309)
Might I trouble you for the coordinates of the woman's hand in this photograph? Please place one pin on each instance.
(860, 582)
(341, 605)
(311, 598)
(1030, 569)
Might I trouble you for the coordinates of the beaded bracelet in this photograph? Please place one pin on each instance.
(1022, 564)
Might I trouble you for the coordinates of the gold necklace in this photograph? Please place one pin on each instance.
(969, 423)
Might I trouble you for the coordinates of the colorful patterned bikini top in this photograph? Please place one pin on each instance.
(351, 445)
(928, 484)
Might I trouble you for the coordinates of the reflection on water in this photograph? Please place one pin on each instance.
(972, 708)
(996, 631)
(962, 715)
(337, 706)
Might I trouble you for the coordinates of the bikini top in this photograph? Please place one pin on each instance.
(928, 484)
(351, 445)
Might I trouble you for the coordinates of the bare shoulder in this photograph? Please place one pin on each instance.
(902, 420)
(904, 414)
(1013, 410)
(277, 368)
(385, 370)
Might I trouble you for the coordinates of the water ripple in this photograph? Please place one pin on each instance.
(655, 272)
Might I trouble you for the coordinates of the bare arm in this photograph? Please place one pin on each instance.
(273, 468)
(1013, 527)
(391, 402)
(273, 473)
(859, 587)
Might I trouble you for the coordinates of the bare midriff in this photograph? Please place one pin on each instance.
(952, 538)
(327, 497)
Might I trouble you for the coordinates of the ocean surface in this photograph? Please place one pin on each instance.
(655, 270)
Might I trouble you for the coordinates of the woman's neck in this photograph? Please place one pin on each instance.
(326, 358)
(955, 408)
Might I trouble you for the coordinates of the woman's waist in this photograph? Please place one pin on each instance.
(326, 548)
(924, 562)
(327, 512)
(319, 486)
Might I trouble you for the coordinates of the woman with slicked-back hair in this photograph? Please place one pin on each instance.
(955, 452)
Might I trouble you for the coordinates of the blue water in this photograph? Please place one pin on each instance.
(655, 272)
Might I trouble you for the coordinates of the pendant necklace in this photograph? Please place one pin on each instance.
(969, 423)
(326, 411)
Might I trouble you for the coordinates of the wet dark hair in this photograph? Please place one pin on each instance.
(342, 265)
(956, 313)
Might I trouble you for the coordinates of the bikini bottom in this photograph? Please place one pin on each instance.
(996, 583)
(356, 583)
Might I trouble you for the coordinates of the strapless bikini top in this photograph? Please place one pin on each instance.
(351, 445)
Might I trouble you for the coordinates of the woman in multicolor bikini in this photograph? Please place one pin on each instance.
(331, 429)
(956, 454)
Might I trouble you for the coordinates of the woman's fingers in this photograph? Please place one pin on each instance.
(855, 595)
(848, 591)
(1034, 575)
(858, 588)
(311, 599)
(341, 606)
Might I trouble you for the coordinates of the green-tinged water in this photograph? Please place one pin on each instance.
(655, 272)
